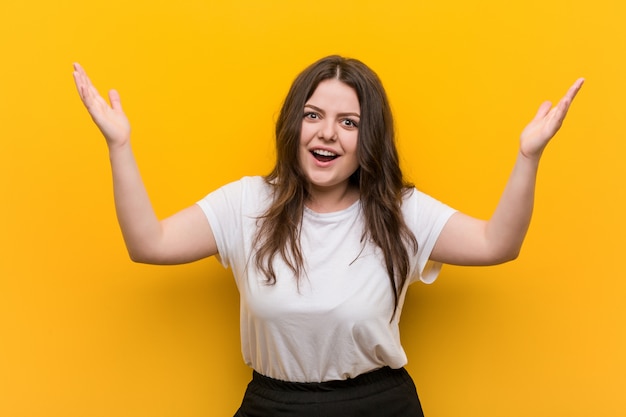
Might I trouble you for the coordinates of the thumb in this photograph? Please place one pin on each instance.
(114, 98)
(543, 110)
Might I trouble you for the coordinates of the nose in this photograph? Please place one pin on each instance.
(328, 130)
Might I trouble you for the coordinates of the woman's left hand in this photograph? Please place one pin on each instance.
(546, 123)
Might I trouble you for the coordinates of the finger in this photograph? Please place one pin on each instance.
(79, 79)
(564, 104)
(88, 92)
(79, 84)
(575, 88)
(80, 75)
(78, 67)
(84, 90)
(566, 101)
(114, 98)
(557, 115)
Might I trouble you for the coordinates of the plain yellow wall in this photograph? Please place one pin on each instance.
(85, 332)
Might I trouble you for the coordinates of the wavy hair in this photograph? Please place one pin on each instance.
(379, 178)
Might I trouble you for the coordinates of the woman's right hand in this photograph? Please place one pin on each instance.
(111, 120)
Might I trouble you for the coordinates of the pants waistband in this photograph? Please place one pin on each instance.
(362, 385)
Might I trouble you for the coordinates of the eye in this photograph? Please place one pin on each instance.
(311, 115)
(350, 123)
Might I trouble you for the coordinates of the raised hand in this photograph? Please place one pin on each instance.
(546, 123)
(110, 119)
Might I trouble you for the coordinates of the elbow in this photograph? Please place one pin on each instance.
(510, 258)
(137, 257)
(153, 256)
(515, 255)
(507, 256)
(142, 256)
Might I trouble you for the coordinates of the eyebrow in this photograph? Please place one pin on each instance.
(317, 109)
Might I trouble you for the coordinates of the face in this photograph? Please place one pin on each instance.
(328, 142)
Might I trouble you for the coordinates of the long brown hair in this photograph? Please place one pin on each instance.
(379, 178)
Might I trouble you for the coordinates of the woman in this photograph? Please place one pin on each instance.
(324, 247)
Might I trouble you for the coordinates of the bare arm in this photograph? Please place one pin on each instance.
(184, 237)
(469, 241)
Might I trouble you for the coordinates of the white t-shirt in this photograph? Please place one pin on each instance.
(335, 322)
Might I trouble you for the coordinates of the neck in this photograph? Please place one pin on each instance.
(330, 200)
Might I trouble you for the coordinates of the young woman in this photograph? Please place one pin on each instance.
(324, 247)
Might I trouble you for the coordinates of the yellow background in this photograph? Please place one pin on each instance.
(85, 332)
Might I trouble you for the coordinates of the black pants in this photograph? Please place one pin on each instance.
(382, 393)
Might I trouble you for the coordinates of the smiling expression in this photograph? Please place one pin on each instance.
(329, 136)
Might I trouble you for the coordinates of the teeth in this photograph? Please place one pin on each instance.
(323, 152)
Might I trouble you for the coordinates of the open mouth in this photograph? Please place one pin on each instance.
(323, 155)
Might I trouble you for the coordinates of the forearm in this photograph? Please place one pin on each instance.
(506, 229)
(140, 227)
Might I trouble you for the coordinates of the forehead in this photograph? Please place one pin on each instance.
(334, 93)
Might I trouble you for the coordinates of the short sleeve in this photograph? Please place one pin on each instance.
(426, 217)
(222, 208)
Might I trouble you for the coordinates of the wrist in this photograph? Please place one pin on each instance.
(531, 160)
(119, 148)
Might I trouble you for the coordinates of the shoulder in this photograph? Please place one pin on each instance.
(256, 188)
(244, 185)
(417, 206)
(244, 191)
(413, 197)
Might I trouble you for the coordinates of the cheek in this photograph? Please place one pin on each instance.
(353, 143)
(301, 153)
(306, 132)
